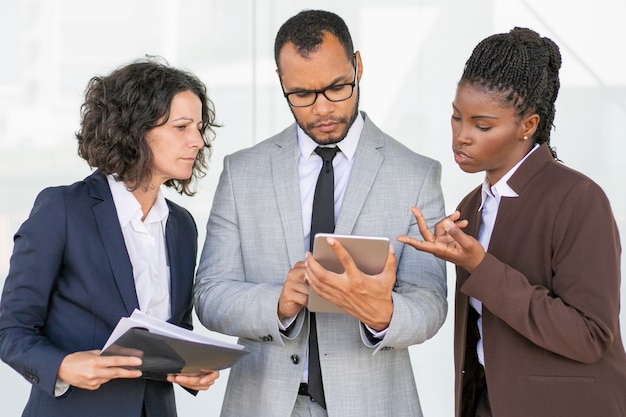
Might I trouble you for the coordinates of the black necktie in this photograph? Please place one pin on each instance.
(322, 221)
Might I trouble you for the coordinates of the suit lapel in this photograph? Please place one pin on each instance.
(284, 164)
(111, 234)
(174, 243)
(475, 220)
(367, 162)
(470, 213)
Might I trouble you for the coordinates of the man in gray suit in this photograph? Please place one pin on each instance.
(253, 280)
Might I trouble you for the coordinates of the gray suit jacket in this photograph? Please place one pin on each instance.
(255, 235)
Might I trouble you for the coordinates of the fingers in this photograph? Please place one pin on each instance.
(391, 263)
(325, 283)
(421, 225)
(89, 370)
(120, 361)
(460, 237)
(343, 255)
(365, 297)
(200, 382)
(295, 292)
(411, 241)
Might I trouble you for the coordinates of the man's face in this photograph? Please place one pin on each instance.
(324, 121)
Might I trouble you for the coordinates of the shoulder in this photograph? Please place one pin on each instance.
(561, 179)
(393, 149)
(287, 138)
(62, 195)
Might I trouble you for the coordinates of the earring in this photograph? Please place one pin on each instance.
(525, 137)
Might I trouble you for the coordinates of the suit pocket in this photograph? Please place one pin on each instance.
(562, 379)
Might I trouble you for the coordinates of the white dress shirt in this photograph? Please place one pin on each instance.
(145, 243)
(491, 196)
(310, 164)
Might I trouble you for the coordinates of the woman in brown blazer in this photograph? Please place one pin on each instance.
(536, 247)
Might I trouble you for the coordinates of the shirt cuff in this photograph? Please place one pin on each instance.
(60, 388)
(285, 324)
(374, 336)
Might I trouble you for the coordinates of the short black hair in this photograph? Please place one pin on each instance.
(306, 30)
(524, 68)
(119, 110)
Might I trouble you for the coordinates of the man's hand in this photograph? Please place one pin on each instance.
(448, 241)
(88, 370)
(365, 297)
(295, 293)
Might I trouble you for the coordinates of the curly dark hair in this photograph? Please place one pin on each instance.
(523, 68)
(306, 30)
(119, 110)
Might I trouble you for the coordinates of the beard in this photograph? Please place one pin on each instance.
(329, 139)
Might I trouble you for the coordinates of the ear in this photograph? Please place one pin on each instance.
(357, 55)
(529, 125)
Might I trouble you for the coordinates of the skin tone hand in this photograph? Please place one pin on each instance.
(448, 241)
(365, 297)
(295, 293)
(89, 370)
(198, 382)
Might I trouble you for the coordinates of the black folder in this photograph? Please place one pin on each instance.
(180, 352)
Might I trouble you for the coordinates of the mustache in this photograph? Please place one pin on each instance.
(315, 123)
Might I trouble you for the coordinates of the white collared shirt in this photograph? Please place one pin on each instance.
(310, 164)
(145, 243)
(489, 213)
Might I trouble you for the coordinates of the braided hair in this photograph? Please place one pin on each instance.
(523, 68)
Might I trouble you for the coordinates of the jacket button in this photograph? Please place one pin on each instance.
(295, 359)
(33, 379)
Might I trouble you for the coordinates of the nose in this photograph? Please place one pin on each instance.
(196, 140)
(459, 134)
(322, 105)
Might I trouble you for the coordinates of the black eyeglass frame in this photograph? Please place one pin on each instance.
(352, 84)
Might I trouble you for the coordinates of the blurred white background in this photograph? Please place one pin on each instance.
(413, 54)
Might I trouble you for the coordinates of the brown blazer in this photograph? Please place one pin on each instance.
(550, 288)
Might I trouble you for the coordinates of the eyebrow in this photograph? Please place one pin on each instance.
(189, 119)
(338, 80)
(479, 116)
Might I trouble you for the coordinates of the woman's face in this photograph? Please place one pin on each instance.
(487, 135)
(175, 144)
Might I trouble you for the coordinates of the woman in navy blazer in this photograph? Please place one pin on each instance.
(78, 265)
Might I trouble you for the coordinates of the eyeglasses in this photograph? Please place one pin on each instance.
(334, 93)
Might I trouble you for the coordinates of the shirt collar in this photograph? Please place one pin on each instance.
(348, 145)
(128, 207)
(501, 188)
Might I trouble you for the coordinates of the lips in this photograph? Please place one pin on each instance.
(461, 157)
(327, 127)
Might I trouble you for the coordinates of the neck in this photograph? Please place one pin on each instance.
(146, 196)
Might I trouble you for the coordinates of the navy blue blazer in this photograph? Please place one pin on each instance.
(70, 281)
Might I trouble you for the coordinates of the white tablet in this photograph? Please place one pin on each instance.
(369, 254)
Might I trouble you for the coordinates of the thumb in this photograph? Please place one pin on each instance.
(462, 239)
